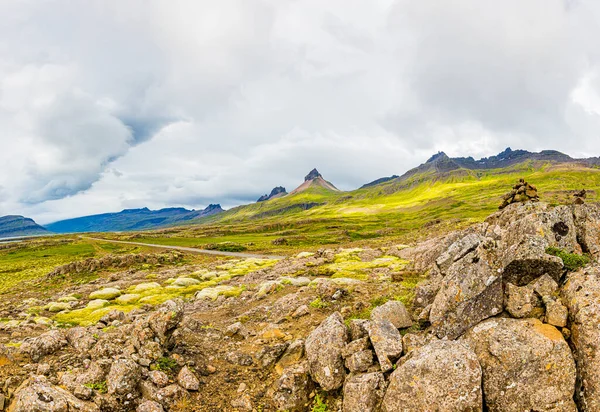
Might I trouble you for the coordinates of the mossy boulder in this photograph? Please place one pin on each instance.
(184, 282)
(97, 304)
(106, 293)
(58, 306)
(128, 299)
(142, 287)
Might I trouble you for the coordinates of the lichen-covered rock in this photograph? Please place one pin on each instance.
(166, 318)
(291, 391)
(527, 365)
(470, 292)
(80, 339)
(359, 361)
(150, 406)
(412, 341)
(458, 250)
(386, 341)
(393, 311)
(587, 222)
(364, 392)
(45, 344)
(123, 377)
(442, 376)
(357, 329)
(581, 293)
(187, 379)
(556, 312)
(106, 294)
(324, 348)
(36, 394)
(527, 260)
(520, 300)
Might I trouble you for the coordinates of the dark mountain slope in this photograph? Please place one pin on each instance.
(14, 226)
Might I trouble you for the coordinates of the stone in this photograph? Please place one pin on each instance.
(527, 260)
(470, 292)
(170, 394)
(187, 379)
(105, 294)
(150, 406)
(236, 329)
(359, 361)
(80, 339)
(291, 391)
(324, 348)
(293, 354)
(97, 304)
(36, 394)
(302, 310)
(355, 346)
(386, 341)
(123, 377)
(556, 313)
(545, 286)
(166, 318)
(357, 328)
(412, 341)
(519, 300)
(364, 392)
(581, 293)
(587, 222)
(184, 282)
(393, 311)
(58, 306)
(527, 365)
(128, 298)
(457, 251)
(441, 376)
(142, 287)
(45, 344)
(159, 378)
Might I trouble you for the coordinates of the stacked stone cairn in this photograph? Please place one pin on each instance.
(521, 192)
(579, 197)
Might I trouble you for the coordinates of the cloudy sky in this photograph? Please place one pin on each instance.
(114, 104)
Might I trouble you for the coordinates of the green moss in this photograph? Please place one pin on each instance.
(318, 303)
(318, 404)
(87, 316)
(99, 386)
(571, 261)
(164, 364)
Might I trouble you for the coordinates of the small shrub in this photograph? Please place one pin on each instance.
(572, 261)
(100, 386)
(318, 404)
(226, 247)
(165, 364)
(318, 303)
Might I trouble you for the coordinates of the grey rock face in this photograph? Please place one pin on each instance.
(386, 341)
(166, 318)
(520, 301)
(187, 379)
(36, 394)
(470, 292)
(393, 311)
(442, 376)
(45, 344)
(587, 222)
(324, 348)
(527, 365)
(364, 392)
(581, 293)
(527, 260)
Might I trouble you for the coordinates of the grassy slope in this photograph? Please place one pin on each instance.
(394, 211)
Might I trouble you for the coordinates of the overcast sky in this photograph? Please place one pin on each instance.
(114, 104)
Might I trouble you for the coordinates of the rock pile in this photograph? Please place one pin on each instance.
(521, 192)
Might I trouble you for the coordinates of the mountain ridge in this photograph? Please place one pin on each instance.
(16, 225)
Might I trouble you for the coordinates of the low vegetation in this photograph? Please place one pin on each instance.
(572, 261)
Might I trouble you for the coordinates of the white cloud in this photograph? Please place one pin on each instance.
(108, 104)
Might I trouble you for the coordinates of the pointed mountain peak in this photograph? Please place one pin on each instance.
(314, 174)
(437, 157)
(276, 192)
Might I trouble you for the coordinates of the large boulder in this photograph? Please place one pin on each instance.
(386, 341)
(470, 292)
(587, 222)
(291, 391)
(45, 344)
(527, 260)
(581, 293)
(395, 312)
(123, 378)
(443, 376)
(527, 365)
(324, 348)
(364, 392)
(166, 318)
(36, 394)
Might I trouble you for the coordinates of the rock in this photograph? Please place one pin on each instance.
(440, 376)
(393, 311)
(142, 287)
(106, 294)
(150, 406)
(527, 365)
(357, 328)
(527, 260)
(301, 311)
(364, 392)
(386, 341)
(324, 352)
(187, 379)
(293, 353)
(521, 192)
(581, 293)
(291, 391)
(166, 318)
(159, 378)
(359, 361)
(36, 394)
(412, 341)
(519, 300)
(170, 394)
(80, 339)
(128, 299)
(97, 304)
(45, 344)
(355, 346)
(236, 329)
(457, 251)
(268, 355)
(470, 292)
(587, 221)
(545, 286)
(58, 306)
(183, 282)
(556, 313)
(123, 378)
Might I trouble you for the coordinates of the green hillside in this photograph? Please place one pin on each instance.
(398, 210)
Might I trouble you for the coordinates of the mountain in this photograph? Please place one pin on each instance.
(14, 226)
(314, 179)
(275, 193)
(379, 181)
(132, 219)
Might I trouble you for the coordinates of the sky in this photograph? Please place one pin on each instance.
(114, 104)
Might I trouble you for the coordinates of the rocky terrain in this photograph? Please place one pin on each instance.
(500, 316)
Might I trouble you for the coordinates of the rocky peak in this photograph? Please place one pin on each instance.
(437, 157)
(314, 174)
(275, 192)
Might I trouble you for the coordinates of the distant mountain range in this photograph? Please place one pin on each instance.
(15, 226)
(132, 219)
